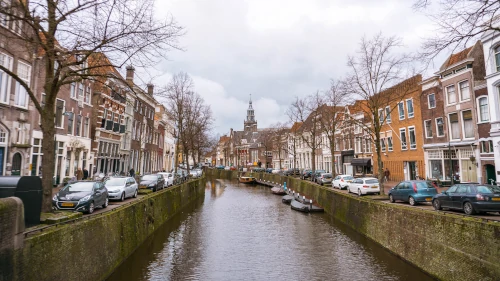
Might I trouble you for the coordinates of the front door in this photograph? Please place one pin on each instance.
(2, 151)
(412, 170)
(348, 169)
(16, 164)
(490, 174)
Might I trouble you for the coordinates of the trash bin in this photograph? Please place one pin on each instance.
(29, 190)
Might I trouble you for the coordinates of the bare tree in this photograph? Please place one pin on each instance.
(64, 36)
(280, 140)
(373, 71)
(307, 111)
(266, 140)
(459, 23)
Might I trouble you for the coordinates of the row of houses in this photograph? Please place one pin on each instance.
(446, 127)
(110, 125)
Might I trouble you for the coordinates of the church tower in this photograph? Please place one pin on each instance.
(250, 124)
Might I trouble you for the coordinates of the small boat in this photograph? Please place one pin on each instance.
(247, 179)
(278, 190)
(306, 208)
(287, 199)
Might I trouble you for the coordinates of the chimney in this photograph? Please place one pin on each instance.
(130, 73)
(151, 87)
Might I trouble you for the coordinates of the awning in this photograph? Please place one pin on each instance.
(361, 162)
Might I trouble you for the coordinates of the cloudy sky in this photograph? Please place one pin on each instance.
(275, 49)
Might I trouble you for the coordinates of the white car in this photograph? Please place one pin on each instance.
(169, 178)
(120, 188)
(193, 174)
(363, 186)
(199, 171)
(342, 181)
(275, 171)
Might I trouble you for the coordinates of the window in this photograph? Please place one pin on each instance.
(428, 128)
(86, 128)
(454, 126)
(413, 138)
(402, 136)
(431, 98)
(59, 113)
(468, 124)
(409, 108)
(24, 72)
(382, 145)
(497, 57)
(5, 61)
(72, 90)
(388, 114)
(87, 95)
(464, 90)
(389, 143)
(70, 122)
(401, 109)
(357, 145)
(450, 93)
(4, 19)
(440, 126)
(484, 115)
(78, 125)
(80, 91)
(381, 116)
(487, 147)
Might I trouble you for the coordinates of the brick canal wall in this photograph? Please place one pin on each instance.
(91, 249)
(447, 246)
(11, 233)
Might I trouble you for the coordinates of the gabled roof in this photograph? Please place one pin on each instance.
(463, 55)
(296, 126)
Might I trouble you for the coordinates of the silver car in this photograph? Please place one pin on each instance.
(120, 188)
(324, 178)
(169, 178)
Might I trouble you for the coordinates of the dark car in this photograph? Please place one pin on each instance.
(292, 171)
(316, 174)
(153, 182)
(306, 174)
(413, 192)
(81, 196)
(269, 170)
(470, 198)
(220, 167)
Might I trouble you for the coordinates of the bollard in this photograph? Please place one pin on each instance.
(304, 199)
(310, 204)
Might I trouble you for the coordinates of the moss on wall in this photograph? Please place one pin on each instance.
(92, 248)
(447, 246)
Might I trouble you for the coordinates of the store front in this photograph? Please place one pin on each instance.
(457, 163)
(362, 166)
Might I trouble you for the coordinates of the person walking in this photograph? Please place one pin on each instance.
(85, 173)
(387, 174)
(132, 172)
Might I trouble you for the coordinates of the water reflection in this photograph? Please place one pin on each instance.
(244, 232)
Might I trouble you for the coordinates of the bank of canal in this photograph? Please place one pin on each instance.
(244, 232)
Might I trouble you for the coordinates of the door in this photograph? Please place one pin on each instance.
(445, 199)
(16, 164)
(348, 169)
(396, 192)
(412, 170)
(490, 174)
(2, 151)
(458, 197)
(404, 193)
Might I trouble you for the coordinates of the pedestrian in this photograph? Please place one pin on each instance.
(85, 173)
(387, 174)
(132, 172)
(79, 174)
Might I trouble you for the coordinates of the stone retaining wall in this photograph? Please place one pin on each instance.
(447, 246)
(91, 249)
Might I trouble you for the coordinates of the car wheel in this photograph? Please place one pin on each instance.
(468, 209)
(412, 201)
(135, 194)
(322, 184)
(436, 204)
(122, 198)
(91, 208)
(106, 203)
(391, 199)
(359, 192)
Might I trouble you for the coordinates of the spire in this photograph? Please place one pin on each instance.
(250, 103)
(250, 112)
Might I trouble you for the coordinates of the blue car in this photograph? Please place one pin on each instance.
(413, 192)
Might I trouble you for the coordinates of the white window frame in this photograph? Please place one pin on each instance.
(405, 147)
(479, 121)
(409, 139)
(63, 110)
(382, 145)
(449, 125)
(413, 108)
(381, 112)
(446, 94)
(5, 86)
(437, 127)
(388, 118)
(20, 88)
(463, 124)
(460, 90)
(495, 54)
(391, 146)
(88, 95)
(425, 129)
(429, 101)
(401, 117)
(72, 90)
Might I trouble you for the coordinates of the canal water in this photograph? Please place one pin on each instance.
(244, 232)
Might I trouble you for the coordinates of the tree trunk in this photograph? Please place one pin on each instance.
(176, 155)
(332, 152)
(379, 162)
(48, 161)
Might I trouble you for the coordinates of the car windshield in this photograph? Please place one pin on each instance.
(80, 186)
(116, 182)
(371, 181)
(424, 185)
(348, 178)
(328, 176)
(488, 189)
(149, 178)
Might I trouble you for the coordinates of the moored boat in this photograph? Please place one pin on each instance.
(287, 199)
(247, 179)
(278, 190)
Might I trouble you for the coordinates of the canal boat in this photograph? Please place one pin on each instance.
(287, 199)
(278, 190)
(305, 208)
(247, 179)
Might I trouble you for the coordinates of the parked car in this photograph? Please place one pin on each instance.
(306, 174)
(120, 188)
(470, 198)
(227, 168)
(363, 186)
(193, 174)
(153, 182)
(169, 178)
(414, 192)
(342, 181)
(316, 174)
(199, 172)
(81, 196)
(269, 170)
(324, 178)
(258, 170)
(275, 171)
(220, 167)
